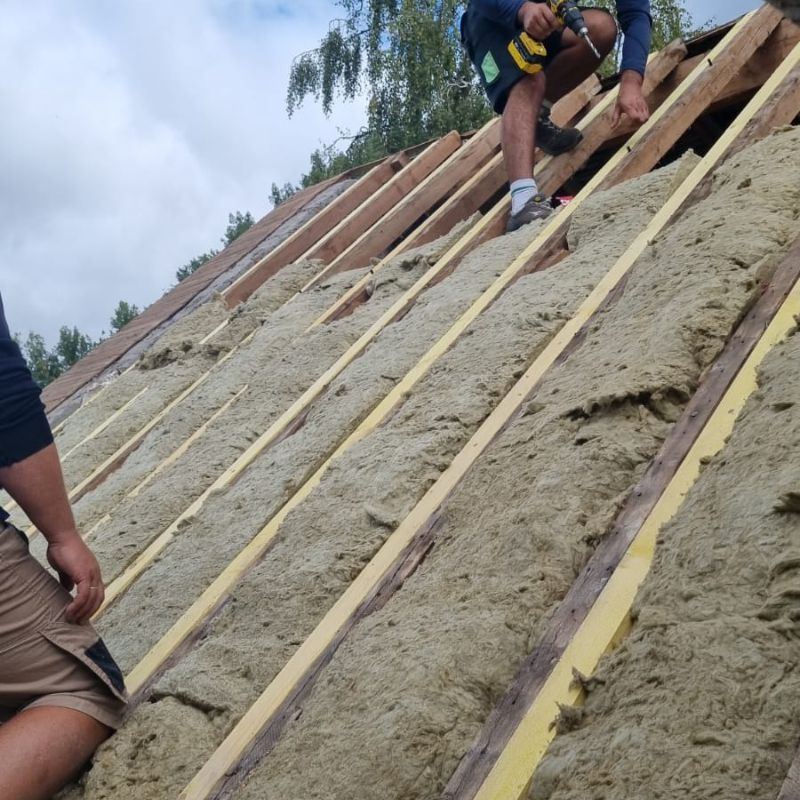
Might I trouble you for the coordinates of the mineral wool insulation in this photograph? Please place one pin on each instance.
(409, 689)
(703, 699)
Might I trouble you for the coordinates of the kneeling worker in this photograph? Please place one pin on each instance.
(61, 693)
(523, 82)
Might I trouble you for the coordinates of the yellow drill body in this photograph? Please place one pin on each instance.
(529, 55)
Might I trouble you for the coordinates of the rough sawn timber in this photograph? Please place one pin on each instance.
(314, 230)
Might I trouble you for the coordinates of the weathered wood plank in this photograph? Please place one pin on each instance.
(385, 199)
(313, 231)
(725, 64)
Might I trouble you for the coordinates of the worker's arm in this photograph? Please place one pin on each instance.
(636, 23)
(31, 473)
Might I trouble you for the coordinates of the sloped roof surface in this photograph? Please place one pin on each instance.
(363, 512)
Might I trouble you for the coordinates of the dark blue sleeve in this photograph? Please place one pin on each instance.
(503, 12)
(24, 429)
(636, 23)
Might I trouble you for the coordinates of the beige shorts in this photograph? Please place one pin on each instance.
(44, 660)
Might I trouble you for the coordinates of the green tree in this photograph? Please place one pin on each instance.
(44, 364)
(280, 194)
(123, 314)
(408, 59)
(72, 346)
(238, 223)
(187, 269)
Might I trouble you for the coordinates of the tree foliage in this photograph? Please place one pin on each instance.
(280, 194)
(123, 314)
(47, 364)
(406, 58)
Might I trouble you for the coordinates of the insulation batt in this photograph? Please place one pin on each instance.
(199, 552)
(410, 687)
(703, 699)
(164, 371)
(407, 692)
(325, 542)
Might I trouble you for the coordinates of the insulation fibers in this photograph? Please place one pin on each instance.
(323, 544)
(703, 698)
(408, 690)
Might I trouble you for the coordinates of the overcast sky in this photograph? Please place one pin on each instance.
(131, 128)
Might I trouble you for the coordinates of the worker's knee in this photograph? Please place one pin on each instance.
(602, 28)
(531, 87)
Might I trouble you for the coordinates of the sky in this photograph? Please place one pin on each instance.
(130, 129)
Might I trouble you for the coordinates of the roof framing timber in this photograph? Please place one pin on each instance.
(319, 226)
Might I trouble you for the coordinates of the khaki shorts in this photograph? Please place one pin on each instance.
(45, 661)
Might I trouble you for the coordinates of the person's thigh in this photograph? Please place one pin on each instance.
(44, 660)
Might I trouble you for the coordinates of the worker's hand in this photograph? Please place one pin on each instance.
(537, 20)
(631, 101)
(77, 567)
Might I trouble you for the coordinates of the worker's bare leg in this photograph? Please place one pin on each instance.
(43, 748)
(519, 126)
(575, 62)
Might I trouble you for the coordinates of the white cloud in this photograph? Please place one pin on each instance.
(129, 131)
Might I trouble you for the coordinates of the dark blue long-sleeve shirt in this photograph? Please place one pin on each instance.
(24, 429)
(634, 19)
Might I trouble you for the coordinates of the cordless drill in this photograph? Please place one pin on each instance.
(529, 55)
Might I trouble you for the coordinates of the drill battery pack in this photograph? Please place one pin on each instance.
(528, 54)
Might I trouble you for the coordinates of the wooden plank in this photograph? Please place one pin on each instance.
(384, 200)
(113, 348)
(551, 174)
(311, 232)
(427, 195)
(200, 610)
(725, 63)
(572, 612)
(471, 195)
(105, 423)
(791, 786)
(256, 724)
(514, 769)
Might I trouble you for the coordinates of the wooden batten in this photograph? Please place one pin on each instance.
(312, 231)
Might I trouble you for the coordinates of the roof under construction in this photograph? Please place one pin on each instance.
(393, 506)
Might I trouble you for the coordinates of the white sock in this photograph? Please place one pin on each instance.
(522, 191)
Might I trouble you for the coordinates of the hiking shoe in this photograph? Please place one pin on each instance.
(554, 139)
(538, 207)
